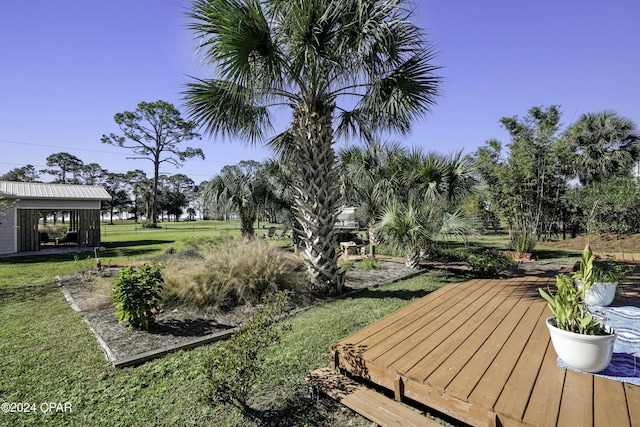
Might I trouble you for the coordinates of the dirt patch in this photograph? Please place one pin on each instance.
(90, 294)
(600, 243)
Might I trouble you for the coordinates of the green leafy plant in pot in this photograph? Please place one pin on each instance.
(578, 338)
(602, 277)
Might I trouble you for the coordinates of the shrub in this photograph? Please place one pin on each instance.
(370, 264)
(206, 242)
(234, 367)
(445, 254)
(136, 295)
(232, 273)
(487, 265)
(522, 241)
(147, 223)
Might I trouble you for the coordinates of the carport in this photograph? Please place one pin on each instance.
(22, 204)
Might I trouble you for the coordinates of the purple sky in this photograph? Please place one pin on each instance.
(67, 67)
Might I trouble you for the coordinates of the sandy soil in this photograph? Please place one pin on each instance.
(602, 243)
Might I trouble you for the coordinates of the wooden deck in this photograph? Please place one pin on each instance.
(480, 352)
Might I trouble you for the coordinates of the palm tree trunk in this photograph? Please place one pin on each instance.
(373, 238)
(413, 260)
(247, 217)
(316, 198)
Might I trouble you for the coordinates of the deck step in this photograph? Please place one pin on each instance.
(367, 402)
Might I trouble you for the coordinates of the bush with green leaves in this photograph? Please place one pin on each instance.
(370, 264)
(147, 223)
(136, 295)
(234, 367)
(522, 241)
(489, 264)
(567, 304)
(610, 206)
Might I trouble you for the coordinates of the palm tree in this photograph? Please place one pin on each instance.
(342, 67)
(604, 144)
(427, 202)
(369, 179)
(435, 178)
(407, 227)
(244, 186)
(279, 175)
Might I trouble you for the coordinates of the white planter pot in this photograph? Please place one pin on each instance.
(601, 293)
(589, 353)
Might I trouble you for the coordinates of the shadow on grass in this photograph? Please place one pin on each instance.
(25, 293)
(300, 407)
(552, 253)
(401, 294)
(132, 243)
(133, 248)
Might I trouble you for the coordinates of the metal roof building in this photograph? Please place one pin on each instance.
(36, 190)
(23, 204)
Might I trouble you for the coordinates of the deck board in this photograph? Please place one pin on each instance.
(544, 404)
(576, 407)
(422, 355)
(464, 380)
(485, 334)
(615, 413)
(480, 352)
(632, 394)
(516, 394)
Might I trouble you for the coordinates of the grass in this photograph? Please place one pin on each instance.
(48, 354)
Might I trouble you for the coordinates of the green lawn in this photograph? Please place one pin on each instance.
(48, 354)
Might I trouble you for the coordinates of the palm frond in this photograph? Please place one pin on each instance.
(282, 145)
(237, 38)
(456, 224)
(226, 108)
(406, 93)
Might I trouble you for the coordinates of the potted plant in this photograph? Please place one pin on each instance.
(603, 279)
(578, 338)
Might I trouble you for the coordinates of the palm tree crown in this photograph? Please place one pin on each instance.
(605, 144)
(343, 67)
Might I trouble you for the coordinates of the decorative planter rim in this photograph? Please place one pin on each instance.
(551, 321)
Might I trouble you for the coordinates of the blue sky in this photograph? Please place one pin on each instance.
(67, 67)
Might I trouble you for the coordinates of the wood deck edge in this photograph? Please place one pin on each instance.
(366, 401)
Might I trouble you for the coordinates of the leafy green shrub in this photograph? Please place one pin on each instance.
(234, 367)
(617, 201)
(136, 295)
(445, 254)
(522, 241)
(147, 223)
(487, 265)
(233, 273)
(345, 264)
(370, 264)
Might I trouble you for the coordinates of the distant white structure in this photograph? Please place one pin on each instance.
(346, 220)
(24, 201)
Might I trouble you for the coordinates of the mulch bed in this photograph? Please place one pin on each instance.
(178, 326)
